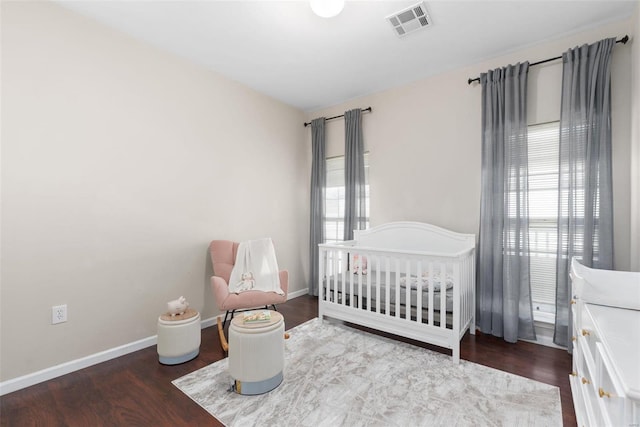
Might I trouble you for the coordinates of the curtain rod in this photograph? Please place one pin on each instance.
(623, 40)
(341, 115)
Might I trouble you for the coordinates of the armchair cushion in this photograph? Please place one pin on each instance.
(223, 257)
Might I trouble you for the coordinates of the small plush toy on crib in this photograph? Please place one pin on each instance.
(356, 264)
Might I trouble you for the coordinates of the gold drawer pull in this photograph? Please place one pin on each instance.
(603, 393)
(573, 301)
(573, 338)
(585, 333)
(573, 374)
(585, 381)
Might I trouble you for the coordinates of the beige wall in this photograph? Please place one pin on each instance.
(635, 142)
(119, 164)
(424, 138)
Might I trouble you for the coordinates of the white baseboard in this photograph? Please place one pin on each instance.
(544, 335)
(24, 381)
(47, 374)
(296, 294)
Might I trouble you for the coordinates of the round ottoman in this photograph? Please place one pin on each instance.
(256, 354)
(178, 337)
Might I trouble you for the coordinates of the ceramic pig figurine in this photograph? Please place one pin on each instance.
(178, 306)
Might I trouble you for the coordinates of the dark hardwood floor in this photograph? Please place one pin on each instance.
(136, 390)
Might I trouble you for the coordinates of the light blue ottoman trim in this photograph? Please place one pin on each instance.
(179, 359)
(257, 387)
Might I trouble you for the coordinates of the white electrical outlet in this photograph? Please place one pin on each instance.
(58, 314)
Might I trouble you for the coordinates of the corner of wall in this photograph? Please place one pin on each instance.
(635, 141)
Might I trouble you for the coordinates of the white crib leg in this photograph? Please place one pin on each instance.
(321, 286)
(456, 353)
(473, 293)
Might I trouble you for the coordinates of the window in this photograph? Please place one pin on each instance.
(543, 142)
(576, 201)
(334, 198)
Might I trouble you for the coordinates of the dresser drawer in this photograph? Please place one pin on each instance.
(586, 379)
(588, 333)
(583, 412)
(577, 359)
(605, 381)
(586, 363)
(587, 414)
(575, 314)
(609, 392)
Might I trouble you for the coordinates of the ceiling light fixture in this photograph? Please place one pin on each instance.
(326, 8)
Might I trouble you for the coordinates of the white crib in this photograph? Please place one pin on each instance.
(407, 278)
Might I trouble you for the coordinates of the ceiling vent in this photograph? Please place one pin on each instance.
(410, 19)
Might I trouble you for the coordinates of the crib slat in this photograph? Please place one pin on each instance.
(334, 267)
(419, 292)
(443, 295)
(359, 296)
(326, 259)
(343, 273)
(396, 301)
(457, 314)
(330, 273)
(431, 307)
(351, 284)
(407, 289)
(377, 264)
(325, 262)
(368, 286)
(387, 303)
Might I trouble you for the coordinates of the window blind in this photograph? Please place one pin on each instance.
(543, 152)
(335, 195)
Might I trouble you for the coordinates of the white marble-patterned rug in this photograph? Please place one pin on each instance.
(336, 375)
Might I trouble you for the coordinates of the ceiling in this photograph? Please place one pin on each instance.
(280, 48)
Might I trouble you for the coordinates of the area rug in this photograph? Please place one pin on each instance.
(336, 375)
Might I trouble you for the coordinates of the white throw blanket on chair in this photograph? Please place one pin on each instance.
(256, 268)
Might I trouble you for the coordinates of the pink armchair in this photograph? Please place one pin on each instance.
(223, 256)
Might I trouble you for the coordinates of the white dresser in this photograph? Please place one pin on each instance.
(605, 381)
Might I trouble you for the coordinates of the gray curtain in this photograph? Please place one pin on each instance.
(504, 290)
(318, 184)
(585, 200)
(355, 199)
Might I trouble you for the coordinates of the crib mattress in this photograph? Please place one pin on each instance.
(336, 286)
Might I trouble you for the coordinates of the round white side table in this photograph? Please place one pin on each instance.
(178, 337)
